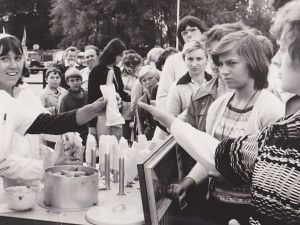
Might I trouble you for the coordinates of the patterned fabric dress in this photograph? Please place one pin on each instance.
(271, 163)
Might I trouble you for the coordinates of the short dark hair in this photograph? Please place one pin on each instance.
(114, 48)
(192, 22)
(247, 46)
(52, 70)
(92, 47)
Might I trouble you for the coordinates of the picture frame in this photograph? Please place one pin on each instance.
(156, 173)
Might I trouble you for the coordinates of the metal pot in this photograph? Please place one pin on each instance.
(71, 192)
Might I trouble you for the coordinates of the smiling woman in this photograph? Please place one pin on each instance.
(11, 63)
(24, 163)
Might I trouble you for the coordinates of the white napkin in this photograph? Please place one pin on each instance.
(113, 115)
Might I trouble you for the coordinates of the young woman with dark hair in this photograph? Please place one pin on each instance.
(108, 61)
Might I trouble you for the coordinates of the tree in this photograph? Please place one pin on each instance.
(32, 14)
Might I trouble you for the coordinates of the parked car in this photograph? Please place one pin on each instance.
(35, 66)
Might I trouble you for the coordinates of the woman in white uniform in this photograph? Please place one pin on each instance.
(17, 167)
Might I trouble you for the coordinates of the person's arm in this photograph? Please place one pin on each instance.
(198, 173)
(110, 77)
(94, 92)
(66, 122)
(166, 79)
(136, 93)
(179, 190)
(140, 118)
(201, 146)
(16, 167)
(123, 94)
(235, 158)
(174, 102)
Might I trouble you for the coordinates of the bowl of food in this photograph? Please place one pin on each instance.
(21, 198)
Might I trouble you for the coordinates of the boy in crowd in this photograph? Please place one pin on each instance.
(51, 97)
(76, 97)
(148, 77)
(52, 94)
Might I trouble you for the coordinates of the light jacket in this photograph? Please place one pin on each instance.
(199, 104)
(180, 93)
(267, 109)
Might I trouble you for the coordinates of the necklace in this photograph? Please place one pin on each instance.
(237, 119)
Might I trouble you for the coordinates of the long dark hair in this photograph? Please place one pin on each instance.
(12, 43)
(114, 48)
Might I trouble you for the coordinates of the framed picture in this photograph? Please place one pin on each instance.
(156, 173)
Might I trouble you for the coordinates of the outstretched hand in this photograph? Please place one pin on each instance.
(165, 118)
(99, 105)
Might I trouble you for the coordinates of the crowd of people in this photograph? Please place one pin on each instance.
(237, 133)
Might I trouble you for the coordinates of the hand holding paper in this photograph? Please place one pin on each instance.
(113, 115)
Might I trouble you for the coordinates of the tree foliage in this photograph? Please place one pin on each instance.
(32, 14)
(141, 24)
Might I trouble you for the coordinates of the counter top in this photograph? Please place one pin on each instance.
(42, 215)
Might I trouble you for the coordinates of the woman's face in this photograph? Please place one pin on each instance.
(11, 67)
(196, 62)
(290, 77)
(234, 71)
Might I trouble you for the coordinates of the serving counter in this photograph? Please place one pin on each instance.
(147, 197)
(40, 214)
